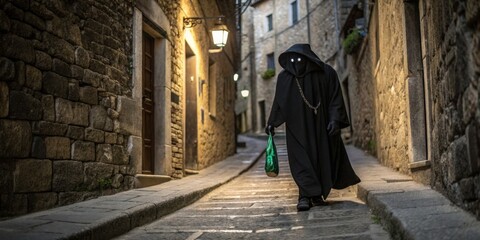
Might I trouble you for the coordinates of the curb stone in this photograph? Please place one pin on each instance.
(409, 210)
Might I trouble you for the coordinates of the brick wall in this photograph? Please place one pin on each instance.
(64, 67)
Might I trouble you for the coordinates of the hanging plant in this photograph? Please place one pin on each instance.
(269, 73)
(353, 39)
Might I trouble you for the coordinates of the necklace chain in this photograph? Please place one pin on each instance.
(305, 99)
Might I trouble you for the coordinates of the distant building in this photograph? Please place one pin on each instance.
(270, 27)
(412, 79)
(103, 96)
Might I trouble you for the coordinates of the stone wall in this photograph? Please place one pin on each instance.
(64, 71)
(451, 69)
(451, 33)
(216, 134)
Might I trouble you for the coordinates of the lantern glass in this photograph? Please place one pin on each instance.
(220, 35)
(245, 93)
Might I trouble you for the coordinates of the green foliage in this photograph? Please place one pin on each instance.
(353, 39)
(269, 73)
(104, 183)
(376, 219)
(372, 146)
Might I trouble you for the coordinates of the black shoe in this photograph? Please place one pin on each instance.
(303, 204)
(318, 201)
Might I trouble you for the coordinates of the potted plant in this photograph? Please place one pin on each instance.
(269, 73)
(352, 41)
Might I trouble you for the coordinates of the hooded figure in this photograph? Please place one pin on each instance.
(308, 99)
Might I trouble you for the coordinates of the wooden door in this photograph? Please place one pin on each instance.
(191, 141)
(147, 104)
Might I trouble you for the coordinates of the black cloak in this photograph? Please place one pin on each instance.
(318, 162)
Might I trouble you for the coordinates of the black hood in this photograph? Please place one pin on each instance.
(310, 61)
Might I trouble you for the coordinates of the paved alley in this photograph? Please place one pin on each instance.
(254, 206)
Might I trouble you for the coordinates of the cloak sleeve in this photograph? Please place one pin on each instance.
(336, 106)
(276, 117)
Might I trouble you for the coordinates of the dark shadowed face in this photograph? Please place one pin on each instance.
(298, 63)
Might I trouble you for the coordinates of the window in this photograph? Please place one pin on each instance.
(271, 61)
(294, 12)
(269, 23)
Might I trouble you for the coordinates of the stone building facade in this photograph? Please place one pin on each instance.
(269, 27)
(414, 78)
(94, 99)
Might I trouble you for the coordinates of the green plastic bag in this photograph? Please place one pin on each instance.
(271, 161)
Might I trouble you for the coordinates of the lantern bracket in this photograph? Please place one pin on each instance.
(189, 22)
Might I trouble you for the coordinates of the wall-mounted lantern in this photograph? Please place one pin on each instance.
(245, 93)
(219, 31)
(235, 77)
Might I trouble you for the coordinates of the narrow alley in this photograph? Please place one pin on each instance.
(255, 206)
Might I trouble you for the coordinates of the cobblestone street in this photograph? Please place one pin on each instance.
(254, 206)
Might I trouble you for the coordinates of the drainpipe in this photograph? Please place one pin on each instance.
(308, 22)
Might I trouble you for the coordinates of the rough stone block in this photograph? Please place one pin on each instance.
(16, 139)
(35, 21)
(92, 78)
(76, 132)
(62, 68)
(38, 148)
(57, 26)
(82, 57)
(472, 148)
(104, 153)
(120, 155)
(40, 10)
(457, 162)
(43, 61)
(110, 138)
(24, 106)
(469, 103)
(42, 201)
(71, 112)
(48, 104)
(472, 11)
(94, 135)
(20, 73)
(77, 72)
(13, 204)
(4, 22)
(67, 175)
(6, 177)
(33, 78)
(89, 95)
(96, 172)
(83, 151)
(57, 147)
(73, 91)
(33, 175)
(14, 12)
(55, 84)
(59, 48)
(467, 189)
(4, 96)
(15, 47)
(7, 69)
(98, 117)
(117, 180)
(65, 198)
(49, 128)
(129, 116)
(23, 30)
(98, 66)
